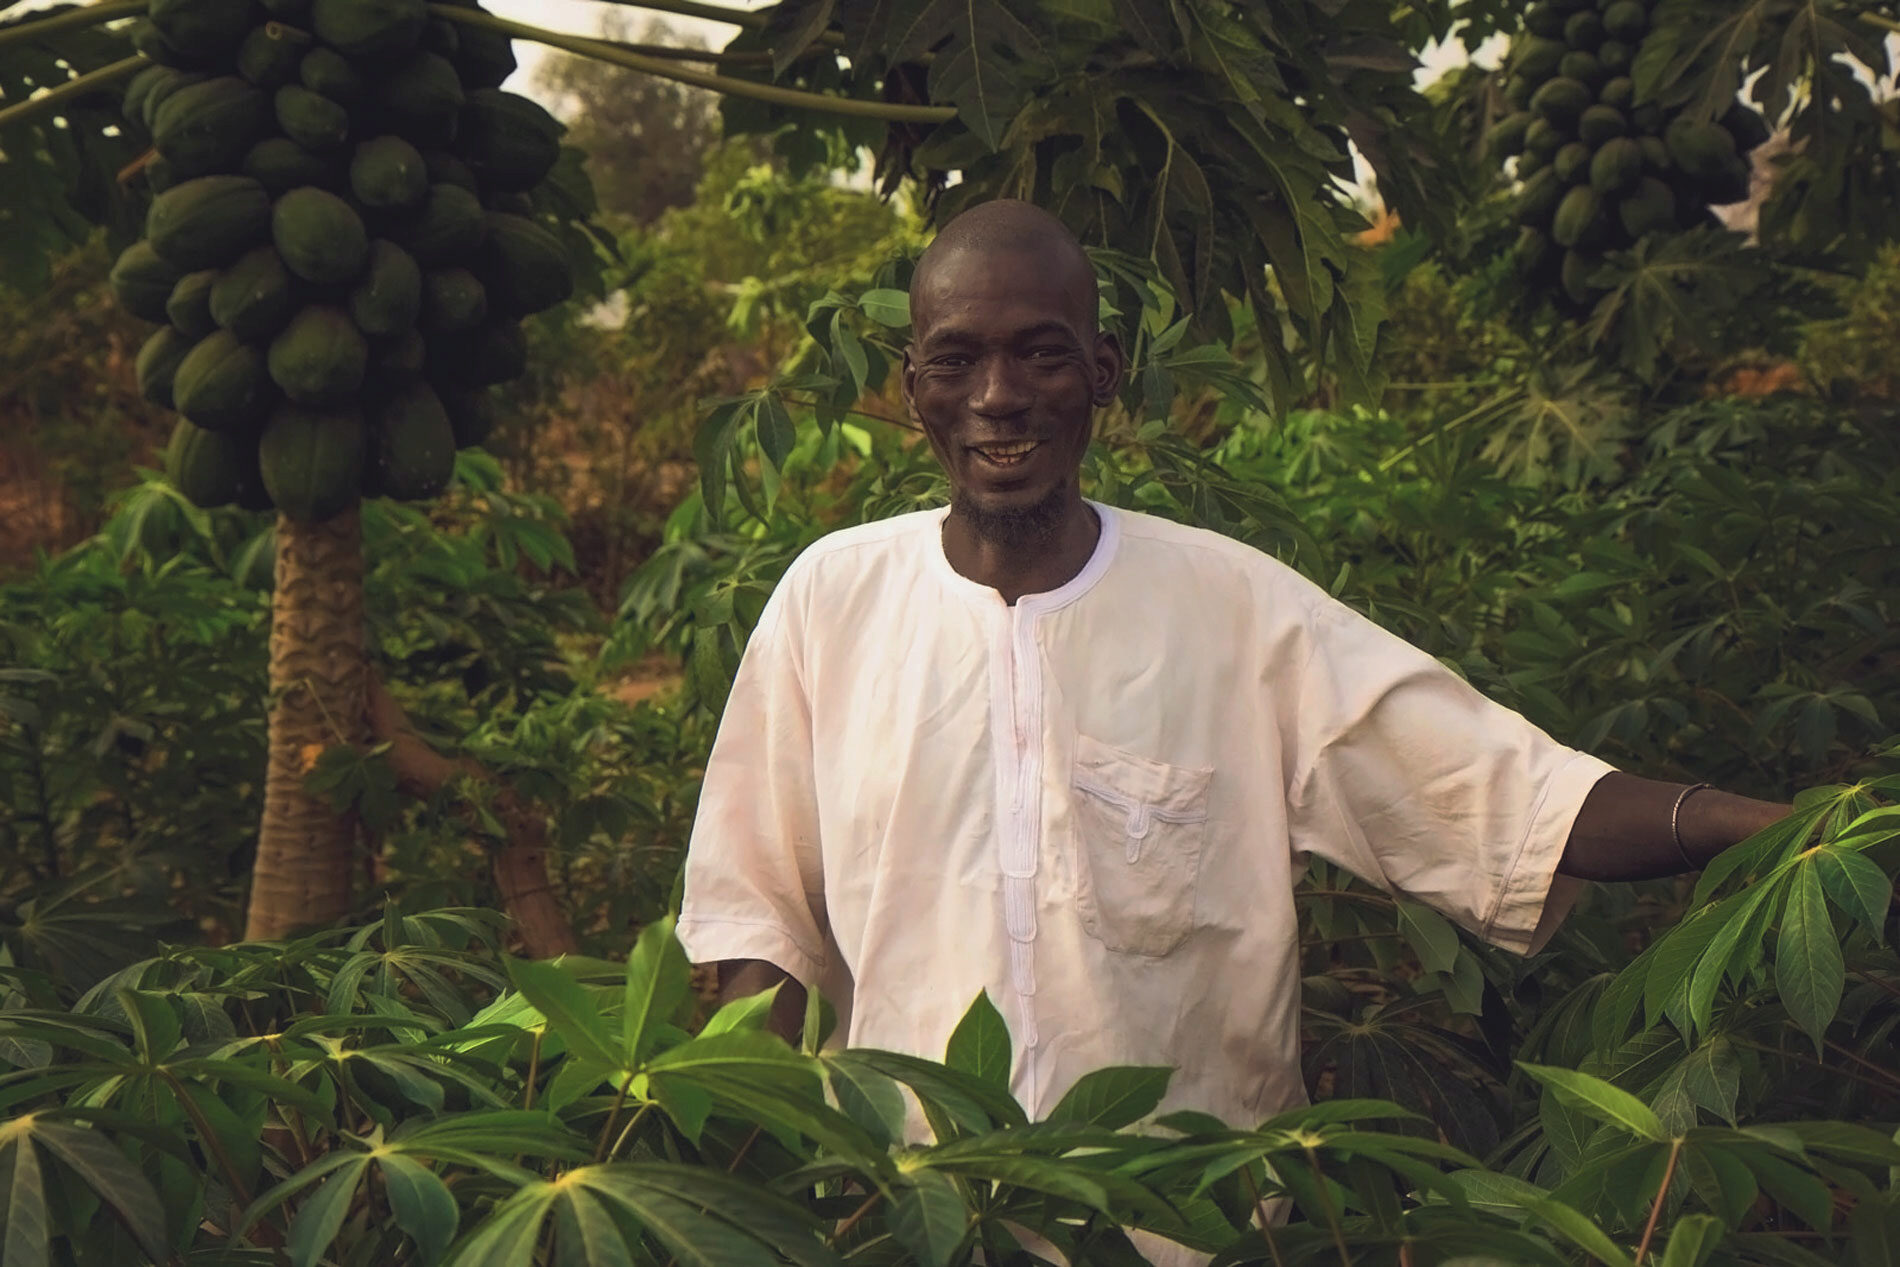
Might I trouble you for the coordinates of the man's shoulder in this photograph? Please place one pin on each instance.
(1181, 550)
(847, 551)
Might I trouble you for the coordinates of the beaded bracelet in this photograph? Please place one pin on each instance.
(1675, 821)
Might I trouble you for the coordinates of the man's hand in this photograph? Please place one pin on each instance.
(1622, 832)
(743, 978)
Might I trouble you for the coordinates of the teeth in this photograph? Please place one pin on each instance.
(1008, 450)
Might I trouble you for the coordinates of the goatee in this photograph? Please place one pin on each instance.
(1015, 528)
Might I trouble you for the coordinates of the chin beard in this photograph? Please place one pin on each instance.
(1034, 524)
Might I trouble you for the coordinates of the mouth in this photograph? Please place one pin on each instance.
(1008, 454)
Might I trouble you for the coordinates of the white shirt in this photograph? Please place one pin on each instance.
(1095, 804)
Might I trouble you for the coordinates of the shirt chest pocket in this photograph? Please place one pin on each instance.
(1140, 827)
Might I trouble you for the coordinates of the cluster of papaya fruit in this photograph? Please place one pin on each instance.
(1597, 170)
(340, 246)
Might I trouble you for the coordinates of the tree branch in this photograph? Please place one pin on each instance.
(521, 872)
(73, 20)
(53, 98)
(601, 50)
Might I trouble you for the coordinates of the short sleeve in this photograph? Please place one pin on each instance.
(1412, 779)
(754, 875)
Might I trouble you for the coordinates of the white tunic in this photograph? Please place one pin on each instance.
(1094, 804)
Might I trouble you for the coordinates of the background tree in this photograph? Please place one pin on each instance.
(645, 138)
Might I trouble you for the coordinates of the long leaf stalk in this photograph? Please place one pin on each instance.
(212, 1143)
(54, 98)
(30, 29)
(613, 1116)
(534, 1069)
(1326, 1203)
(1266, 1219)
(854, 1218)
(601, 50)
(1662, 1195)
(627, 1131)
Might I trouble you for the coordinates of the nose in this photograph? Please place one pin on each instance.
(1000, 389)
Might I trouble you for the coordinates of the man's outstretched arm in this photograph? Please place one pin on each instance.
(1623, 830)
(743, 978)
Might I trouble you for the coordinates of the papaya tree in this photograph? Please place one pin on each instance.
(337, 221)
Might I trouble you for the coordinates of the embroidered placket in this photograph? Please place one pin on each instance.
(1018, 841)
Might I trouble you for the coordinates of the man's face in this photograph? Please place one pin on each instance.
(1003, 375)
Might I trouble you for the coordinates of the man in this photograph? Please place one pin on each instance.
(1077, 756)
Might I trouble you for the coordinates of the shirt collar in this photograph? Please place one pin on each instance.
(1081, 583)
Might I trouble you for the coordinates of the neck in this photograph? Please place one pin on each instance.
(1030, 553)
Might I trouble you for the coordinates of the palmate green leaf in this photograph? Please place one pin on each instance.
(1503, 1195)
(886, 307)
(570, 1012)
(1793, 1187)
(658, 982)
(99, 1163)
(323, 1212)
(1430, 935)
(26, 1229)
(1600, 1100)
(1856, 884)
(1114, 1097)
(1809, 970)
(1721, 1179)
(929, 1218)
(749, 1014)
(1580, 1231)
(706, 1217)
(869, 1098)
(1736, 941)
(506, 1238)
(420, 1203)
(585, 1235)
(1874, 1226)
(979, 1046)
(1692, 1238)
(971, 1105)
(986, 54)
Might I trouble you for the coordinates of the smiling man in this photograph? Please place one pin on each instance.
(1077, 757)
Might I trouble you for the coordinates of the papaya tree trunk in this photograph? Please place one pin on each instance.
(318, 677)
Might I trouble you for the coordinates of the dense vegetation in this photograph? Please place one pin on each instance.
(1663, 524)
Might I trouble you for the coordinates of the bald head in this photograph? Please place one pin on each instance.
(1008, 234)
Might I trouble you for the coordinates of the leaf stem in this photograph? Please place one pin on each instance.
(74, 20)
(212, 1143)
(1266, 1221)
(628, 1129)
(1326, 1203)
(613, 1115)
(854, 1218)
(692, 9)
(1864, 1063)
(601, 50)
(1662, 1194)
(750, 1140)
(56, 97)
(534, 1068)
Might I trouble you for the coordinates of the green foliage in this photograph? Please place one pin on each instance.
(403, 1091)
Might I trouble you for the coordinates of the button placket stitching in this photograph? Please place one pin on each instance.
(1018, 841)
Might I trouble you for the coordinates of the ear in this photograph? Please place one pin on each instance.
(1108, 367)
(907, 377)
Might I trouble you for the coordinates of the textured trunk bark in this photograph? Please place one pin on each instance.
(520, 864)
(318, 675)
